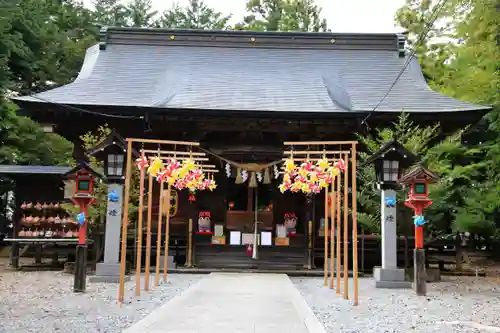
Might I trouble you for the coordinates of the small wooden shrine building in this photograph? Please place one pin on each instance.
(241, 94)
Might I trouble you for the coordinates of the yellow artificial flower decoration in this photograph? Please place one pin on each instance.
(303, 172)
(286, 178)
(335, 172)
(314, 177)
(323, 183)
(189, 164)
(323, 163)
(155, 166)
(289, 164)
(171, 180)
(182, 172)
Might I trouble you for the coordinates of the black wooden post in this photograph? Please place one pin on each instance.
(419, 272)
(79, 285)
(14, 255)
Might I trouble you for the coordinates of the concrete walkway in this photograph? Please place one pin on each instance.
(234, 303)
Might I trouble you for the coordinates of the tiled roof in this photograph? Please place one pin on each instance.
(247, 71)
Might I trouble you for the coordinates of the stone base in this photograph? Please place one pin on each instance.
(108, 273)
(390, 278)
(170, 262)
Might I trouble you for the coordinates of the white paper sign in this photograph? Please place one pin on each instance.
(235, 238)
(266, 238)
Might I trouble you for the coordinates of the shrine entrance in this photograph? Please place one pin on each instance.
(261, 216)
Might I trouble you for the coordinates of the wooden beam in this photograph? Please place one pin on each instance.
(152, 151)
(320, 143)
(164, 142)
(184, 158)
(316, 152)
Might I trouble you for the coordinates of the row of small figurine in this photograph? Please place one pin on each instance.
(39, 206)
(28, 220)
(42, 233)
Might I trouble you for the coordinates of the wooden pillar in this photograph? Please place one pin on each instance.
(189, 259)
(126, 198)
(419, 272)
(334, 227)
(325, 232)
(309, 231)
(346, 234)
(250, 199)
(148, 233)
(138, 262)
(354, 223)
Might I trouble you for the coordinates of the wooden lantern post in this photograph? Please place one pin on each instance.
(84, 177)
(418, 180)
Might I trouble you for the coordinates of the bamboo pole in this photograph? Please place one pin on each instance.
(123, 256)
(148, 233)
(139, 235)
(332, 238)
(325, 231)
(158, 241)
(190, 243)
(354, 225)
(346, 234)
(339, 248)
(167, 231)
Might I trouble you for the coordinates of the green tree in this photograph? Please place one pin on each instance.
(97, 211)
(283, 15)
(448, 157)
(51, 41)
(196, 15)
(110, 13)
(42, 44)
(141, 14)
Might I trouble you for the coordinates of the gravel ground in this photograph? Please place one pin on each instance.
(44, 302)
(455, 305)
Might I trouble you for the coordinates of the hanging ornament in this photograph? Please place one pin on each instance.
(323, 164)
(244, 175)
(155, 167)
(253, 180)
(340, 165)
(289, 164)
(113, 196)
(239, 177)
(267, 177)
(276, 172)
(259, 177)
(161, 176)
(390, 202)
(142, 162)
(228, 170)
(80, 218)
(418, 220)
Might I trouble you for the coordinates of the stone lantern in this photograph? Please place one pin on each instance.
(112, 151)
(390, 162)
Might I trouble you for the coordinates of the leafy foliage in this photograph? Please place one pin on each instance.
(196, 15)
(283, 15)
(97, 210)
